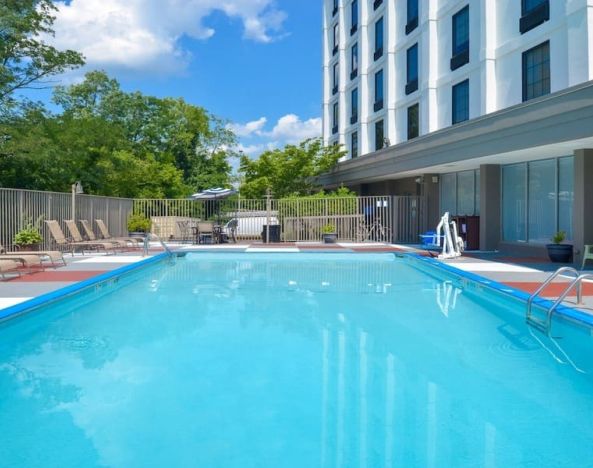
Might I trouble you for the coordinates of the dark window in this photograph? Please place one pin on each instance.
(413, 121)
(527, 6)
(461, 31)
(354, 145)
(336, 77)
(533, 13)
(412, 16)
(377, 4)
(354, 61)
(412, 69)
(378, 91)
(379, 135)
(335, 10)
(336, 38)
(354, 106)
(354, 16)
(460, 100)
(335, 117)
(378, 39)
(536, 71)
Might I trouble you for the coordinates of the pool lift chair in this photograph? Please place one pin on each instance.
(445, 239)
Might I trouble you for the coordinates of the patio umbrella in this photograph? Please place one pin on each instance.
(214, 194)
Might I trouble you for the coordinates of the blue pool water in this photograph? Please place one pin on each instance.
(248, 360)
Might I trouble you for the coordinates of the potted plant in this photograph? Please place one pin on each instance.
(329, 235)
(138, 225)
(29, 238)
(557, 251)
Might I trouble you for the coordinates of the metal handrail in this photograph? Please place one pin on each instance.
(551, 278)
(147, 239)
(576, 282)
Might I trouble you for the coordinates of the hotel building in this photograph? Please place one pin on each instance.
(484, 107)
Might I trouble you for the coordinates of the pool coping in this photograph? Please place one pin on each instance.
(566, 312)
(61, 293)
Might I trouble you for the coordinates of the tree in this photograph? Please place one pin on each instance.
(289, 171)
(25, 59)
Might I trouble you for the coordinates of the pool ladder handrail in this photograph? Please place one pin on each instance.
(147, 239)
(545, 326)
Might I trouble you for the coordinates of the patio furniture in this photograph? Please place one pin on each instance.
(54, 256)
(120, 242)
(9, 266)
(61, 240)
(135, 241)
(587, 254)
(230, 229)
(185, 230)
(205, 233)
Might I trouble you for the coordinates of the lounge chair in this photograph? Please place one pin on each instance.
(61, 240)
(106, 236)
(55, 257)
(205, 233)
(91, 235)
(587, 255)
(10, 266)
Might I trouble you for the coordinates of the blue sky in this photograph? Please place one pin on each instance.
(254, 62)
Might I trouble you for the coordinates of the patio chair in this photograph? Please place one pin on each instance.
(587, 254)
(77, 237)
(135, 241)
(55, 256)
(9, 266)
(205, 233)
(91, 235)
(230, 229)
(60, 239)
(185, 231)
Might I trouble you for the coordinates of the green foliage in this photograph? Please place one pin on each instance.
(25, 59)
(115, 143)
(559, 237)
(29, 235)
(328, 229)
(290, 171)
(139, 223)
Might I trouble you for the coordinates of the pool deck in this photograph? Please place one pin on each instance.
(525, 274)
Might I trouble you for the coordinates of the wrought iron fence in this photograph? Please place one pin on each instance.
(355, 219)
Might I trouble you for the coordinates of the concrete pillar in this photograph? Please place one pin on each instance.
(490, 206)
(431, 191)
(582, 214)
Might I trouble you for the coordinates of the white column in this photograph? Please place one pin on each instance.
(488, 45)
(366, 84)
(429, 73)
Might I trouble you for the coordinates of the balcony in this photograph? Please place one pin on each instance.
(412, 24)
(412, 86)
(535, 17)
(377, 4)
(378, 105)
(460, 59)
(353, 119)
(378, 54)
(354, 73)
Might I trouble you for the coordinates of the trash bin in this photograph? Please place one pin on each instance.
(274, 233)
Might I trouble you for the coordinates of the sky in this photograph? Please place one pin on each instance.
(256, 63)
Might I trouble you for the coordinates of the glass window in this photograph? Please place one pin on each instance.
(379, 86)
(335, 117)
(379, 37)
(513, 202)
(542, 200)
(336, 75)
(354, 16)
(536, 71)
(412, 63)
(460, 107)
(529, 5)
(413, 121)
(379, 135)
(466, 196)
(448, 193)
(336, 35)
(354, 145)
(354, 58)
(565, 195)
(412, 13)
(461, 31)
(354, 102)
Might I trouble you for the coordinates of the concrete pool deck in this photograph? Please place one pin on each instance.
(525, 274)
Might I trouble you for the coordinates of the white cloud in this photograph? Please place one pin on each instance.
(144, 34)
(291, 129)
(250, 128)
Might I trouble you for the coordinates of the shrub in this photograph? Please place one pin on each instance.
(138, 223)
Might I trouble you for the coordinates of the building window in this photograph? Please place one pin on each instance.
(354, 106)
(379, 135)
(378, 39)
(335, 77)
(378, 91)
(377, 4)
(460, 193)
(335, 10)
(527, 6)
(353, 17)
(460, 53)
(336, 38)
(413, 121)
(460, 102)
(537, 200)
(533, 13)
(412, 16)
(354, 145)
(354, 61)
(536, 71)
(335, 117)
(412, 69)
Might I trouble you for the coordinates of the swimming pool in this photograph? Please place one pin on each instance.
(301, 360)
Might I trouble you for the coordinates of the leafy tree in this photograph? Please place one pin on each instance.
(288, 171)
(25, 59)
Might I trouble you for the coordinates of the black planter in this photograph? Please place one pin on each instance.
(331, 238)
(560, 253)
